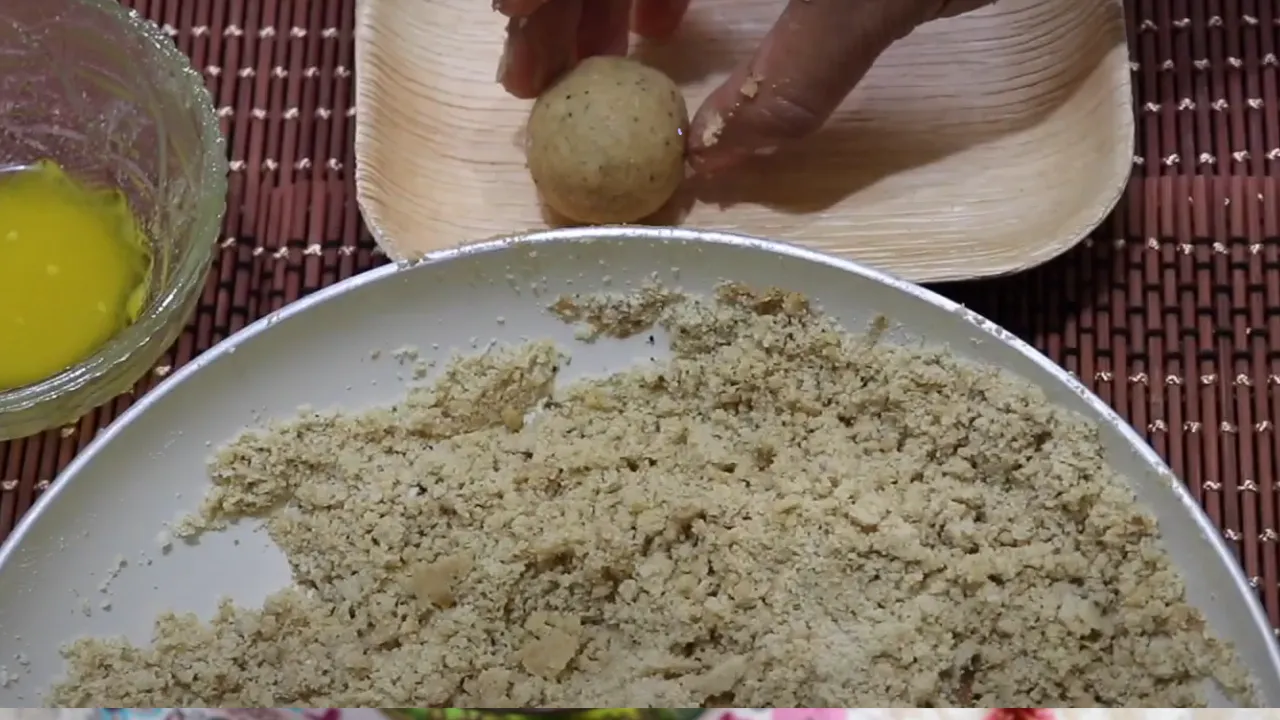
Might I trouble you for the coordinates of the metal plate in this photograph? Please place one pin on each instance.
(63, 563)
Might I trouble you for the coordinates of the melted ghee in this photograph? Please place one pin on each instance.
(74, 270)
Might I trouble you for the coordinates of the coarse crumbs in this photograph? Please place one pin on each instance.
(712, 128)
(615, 315)
(783, 514)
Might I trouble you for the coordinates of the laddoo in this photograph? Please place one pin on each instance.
(606, 142)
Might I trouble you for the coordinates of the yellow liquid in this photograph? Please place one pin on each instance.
(74, 270)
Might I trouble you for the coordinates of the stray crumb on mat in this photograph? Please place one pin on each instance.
(783, 514)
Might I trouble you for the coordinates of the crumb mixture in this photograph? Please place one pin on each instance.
(712, 128)
(783, 514)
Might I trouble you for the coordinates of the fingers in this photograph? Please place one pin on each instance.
(540, 47)
(657, 18)
(545, 37)
(517, 8)
(951, 8)
(603, 29)
(804, 68)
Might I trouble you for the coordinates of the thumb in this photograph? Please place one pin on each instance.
(804, 68)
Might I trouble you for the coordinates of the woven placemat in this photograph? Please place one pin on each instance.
(1167, 311)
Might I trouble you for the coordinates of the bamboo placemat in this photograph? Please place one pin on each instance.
(1171, 310)
(1167, 311)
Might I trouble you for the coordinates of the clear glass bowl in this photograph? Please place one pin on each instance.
(106, 94)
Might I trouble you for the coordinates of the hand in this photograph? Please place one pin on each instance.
(805, 66)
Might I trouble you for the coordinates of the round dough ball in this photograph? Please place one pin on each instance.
(606, 143)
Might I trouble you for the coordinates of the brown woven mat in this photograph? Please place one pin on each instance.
(1167, 311)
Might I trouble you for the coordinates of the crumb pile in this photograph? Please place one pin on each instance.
(783, 514)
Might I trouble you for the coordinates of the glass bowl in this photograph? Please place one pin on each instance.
(106, 94)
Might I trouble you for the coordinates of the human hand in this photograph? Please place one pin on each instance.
(803, 69)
